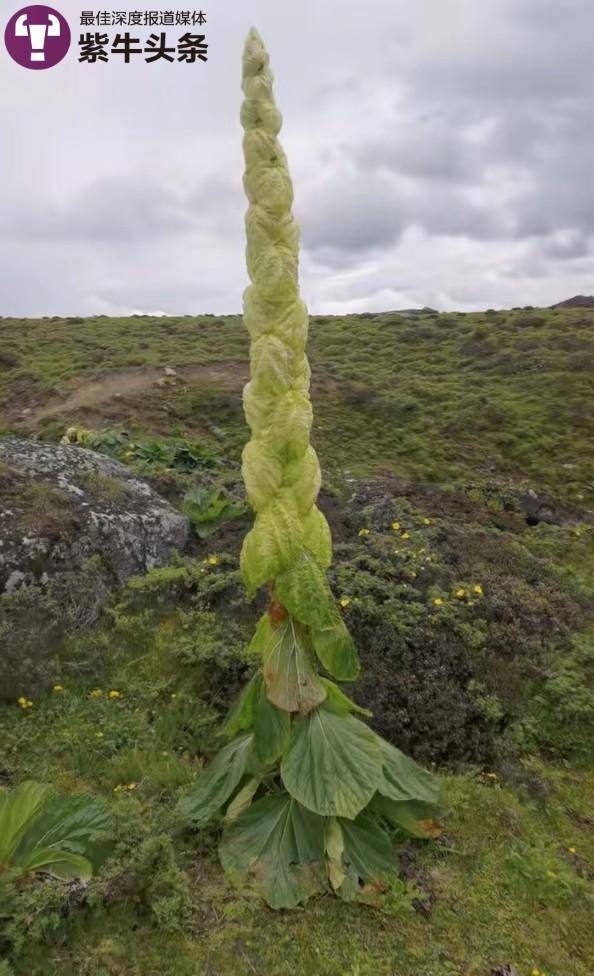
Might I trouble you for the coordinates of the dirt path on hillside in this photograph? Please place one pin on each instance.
(97, 389)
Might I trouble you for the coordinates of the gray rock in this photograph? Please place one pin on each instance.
(73, 526)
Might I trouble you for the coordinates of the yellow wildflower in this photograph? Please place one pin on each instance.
(535, 972)
(478, 589)
(131, 786)
(426, 521)
(114, 694)
(491, 775)
(572, 850)
(96, 693)
(58, 688)
(213, 560)
(118, 788)
(22, 702)
(551, 874)
(461, 593)
(438, 602)
(344, 602)
(395, 526)
(405, 535)
(363, 532)
(174, 694)
(98, 735)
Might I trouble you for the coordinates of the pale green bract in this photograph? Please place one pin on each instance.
(308, 790)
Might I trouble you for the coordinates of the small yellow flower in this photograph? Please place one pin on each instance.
(405, 535)
(535, 972)
(131, 786)
(174, 694)
(491, 775)
(114, 694)
(572, 850)
(461, 593)
(395, 526)
(363, 532)
(98, 735)
(551, 874)
(213, 560)
(477, 588)
(426, 521)
(22, 702)
(344, 602)
(118, 788)
(413, 574)
(438, 602)
(96, 693)
(58, 689)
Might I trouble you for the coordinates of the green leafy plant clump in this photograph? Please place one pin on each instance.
(65, 836)
(310, 792)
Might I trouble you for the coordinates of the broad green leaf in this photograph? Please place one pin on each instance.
(412, 816)
(403, 779)
(337, 701)
(18, 809)
(303, 477)
(242, 800)
(367, 848)
(272, 729)
(291, 682)
(279, 844)
(67, 824)
(303, 589)
(62, 864)
(216, 784)
(262, 474)
(273, 542)
(333, 765)
(317, 538)
(241, 714)
(336, 650)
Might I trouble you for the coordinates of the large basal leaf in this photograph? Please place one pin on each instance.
(333, 765)
(216, 784)
(67, 825)
(337, 701)
(281, 846)
(336, 650)
(303, 589)
(241, 714)
(242, 799)
(367, 848)
(412, 816)
(403, 779)
(291, 682)
(272, 729)
(17, 811)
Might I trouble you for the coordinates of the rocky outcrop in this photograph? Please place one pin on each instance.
(73, 525)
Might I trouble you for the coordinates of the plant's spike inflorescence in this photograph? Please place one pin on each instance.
(280, 467)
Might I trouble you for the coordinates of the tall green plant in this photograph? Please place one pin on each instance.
(310, 791)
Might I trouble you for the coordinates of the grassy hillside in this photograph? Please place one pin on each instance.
(459, 483)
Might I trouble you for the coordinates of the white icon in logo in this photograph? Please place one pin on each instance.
(37, 34)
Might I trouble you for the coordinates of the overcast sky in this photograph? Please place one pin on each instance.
(442, 153)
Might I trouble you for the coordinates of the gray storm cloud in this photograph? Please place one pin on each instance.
(441, 153)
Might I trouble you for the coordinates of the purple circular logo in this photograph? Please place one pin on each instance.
(37, 37)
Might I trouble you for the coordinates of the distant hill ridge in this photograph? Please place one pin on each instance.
(578, 301)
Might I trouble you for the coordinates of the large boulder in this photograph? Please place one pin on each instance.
(73, 525)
